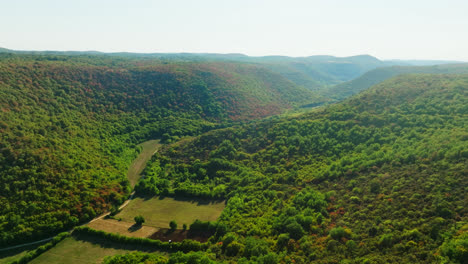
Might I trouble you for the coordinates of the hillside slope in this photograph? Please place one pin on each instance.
(69, 126)
(318, 72)
(378, 178)
(313, 72)
(368, 79)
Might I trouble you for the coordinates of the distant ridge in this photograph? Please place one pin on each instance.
(312, 72)
(344, 90)
(425, 62)
(316, 73)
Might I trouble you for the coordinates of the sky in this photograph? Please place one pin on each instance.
(387, 29)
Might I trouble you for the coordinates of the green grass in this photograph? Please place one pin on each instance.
(137, 166)
(84, 249)
(158, 212)
(16, 254)
(12, 256)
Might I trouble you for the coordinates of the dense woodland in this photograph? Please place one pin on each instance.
(314, 72)
(378, 178)
(375, 76)
(69, 127)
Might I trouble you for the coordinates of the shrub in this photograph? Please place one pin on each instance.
(173, 225)
(139, 220)
(35, 253)
(186, 246)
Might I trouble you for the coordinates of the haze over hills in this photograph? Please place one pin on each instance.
(250, 132)
(377, 178)
(346, 89)
(313, 72)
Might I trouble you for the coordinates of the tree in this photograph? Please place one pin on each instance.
(173, 225)
(282, 240)
(295, 230)
(139, 220)
(374, 186)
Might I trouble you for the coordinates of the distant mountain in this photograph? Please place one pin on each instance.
(346, 89)
(423, 62)
(318, 72)
(313, 73)
(331, 76)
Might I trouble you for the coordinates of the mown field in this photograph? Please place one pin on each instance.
(123, 227)
(137, 166)
(158, 211)
(83, 250)
(15, 254)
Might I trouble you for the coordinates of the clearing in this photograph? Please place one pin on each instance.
(148, 149)
(123, 228)
(159, 211)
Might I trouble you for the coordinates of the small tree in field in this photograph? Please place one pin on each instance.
(139, 220)
(173, 225)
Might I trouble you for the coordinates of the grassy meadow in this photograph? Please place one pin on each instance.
(137, 166)
(84, 250)
(158, 211)
(15, 254)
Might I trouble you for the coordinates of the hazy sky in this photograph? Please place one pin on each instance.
(390, 29)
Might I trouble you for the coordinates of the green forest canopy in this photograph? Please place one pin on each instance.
(69, 126)
(380, 177)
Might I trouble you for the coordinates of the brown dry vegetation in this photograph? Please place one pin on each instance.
(123, 228)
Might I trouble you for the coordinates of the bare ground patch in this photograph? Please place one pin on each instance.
(123, 227)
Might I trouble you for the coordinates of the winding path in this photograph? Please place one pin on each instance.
(149, 149)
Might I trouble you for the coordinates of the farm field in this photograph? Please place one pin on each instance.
(15, 254)
(122, 227)
(8, 257)
(158, 212)
(84, 250)
(137, 166)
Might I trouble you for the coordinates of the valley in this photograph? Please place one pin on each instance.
(232, 168)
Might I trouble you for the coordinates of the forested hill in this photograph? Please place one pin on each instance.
(313, 72)
(378, 178)
(370, 78)
(69, 126)
(229, 90)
